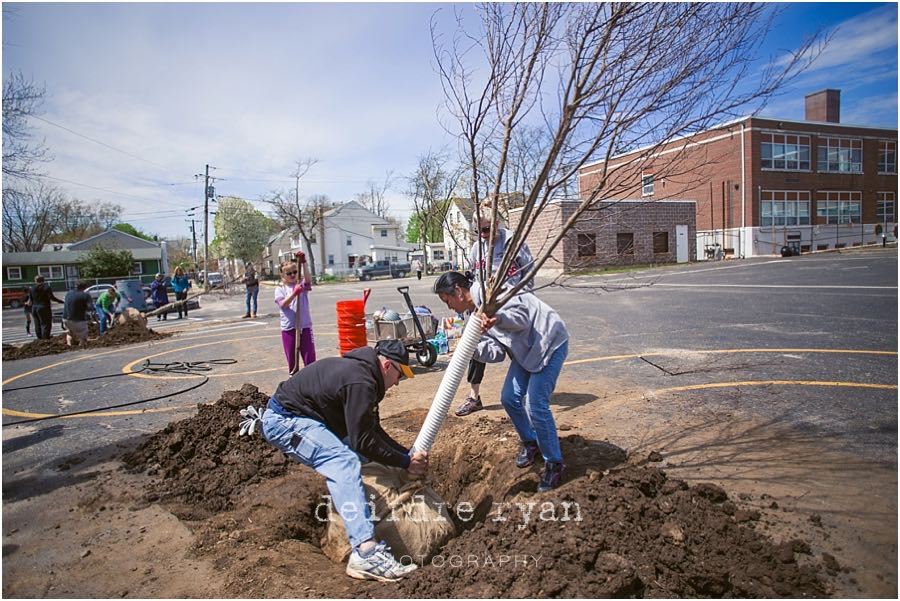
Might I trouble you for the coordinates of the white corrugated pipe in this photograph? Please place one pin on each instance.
(459, 363)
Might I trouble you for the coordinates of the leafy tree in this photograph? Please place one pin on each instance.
(241, 230)
(130, 229)
(433, 233)
(104, 262)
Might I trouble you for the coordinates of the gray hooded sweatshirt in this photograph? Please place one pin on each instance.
(527, 329)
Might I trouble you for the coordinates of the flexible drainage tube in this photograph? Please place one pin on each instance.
(449, 383)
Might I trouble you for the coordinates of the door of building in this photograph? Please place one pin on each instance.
(681, 244)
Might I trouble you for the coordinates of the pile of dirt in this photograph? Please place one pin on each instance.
(120, 334)
(201, 461)
(614, 528)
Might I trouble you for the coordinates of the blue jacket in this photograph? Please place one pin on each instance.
(180, 283)
(158, 293)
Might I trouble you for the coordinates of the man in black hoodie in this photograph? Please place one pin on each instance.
(334, 400)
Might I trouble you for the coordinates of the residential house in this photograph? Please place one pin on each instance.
(277, 247)
(459, 231)
(58, 263)
(348, 235)
(762, 183)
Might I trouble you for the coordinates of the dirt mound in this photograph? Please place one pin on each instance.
(120, 334)
(202, 463)
(613, 529)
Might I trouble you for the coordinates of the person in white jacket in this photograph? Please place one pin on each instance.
(534, 336)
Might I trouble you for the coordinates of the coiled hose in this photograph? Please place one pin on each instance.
(459, 362)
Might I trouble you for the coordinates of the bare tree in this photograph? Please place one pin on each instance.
(77, 219)
(431, 187)
(299, 215)
(30, 216)
(374, 198)
(22, 99)
(597, 78)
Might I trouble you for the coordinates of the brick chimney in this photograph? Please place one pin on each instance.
(824, 105)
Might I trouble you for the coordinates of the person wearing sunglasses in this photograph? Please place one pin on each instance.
(324, 417)
(478, 260)
(292, 296)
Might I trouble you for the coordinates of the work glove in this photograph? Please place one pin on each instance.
(253, 417)
(301, 256)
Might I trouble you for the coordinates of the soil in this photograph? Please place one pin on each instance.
(120, 334)
(618, 526)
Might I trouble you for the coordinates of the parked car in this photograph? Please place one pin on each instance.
(14, 297)
(216, 279)
(380, 268)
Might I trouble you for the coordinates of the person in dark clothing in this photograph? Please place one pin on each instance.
(252, 283)
(41, 295)
(159, 295)
(75, 309)
(327, 413)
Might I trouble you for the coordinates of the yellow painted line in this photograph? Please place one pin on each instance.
(776, 383)
(111, 352)
(14, 413)
(733, 351)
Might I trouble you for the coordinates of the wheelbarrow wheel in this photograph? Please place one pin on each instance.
(426, 355)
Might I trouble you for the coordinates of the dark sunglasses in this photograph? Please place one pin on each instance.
(486, 229)
(290, 272)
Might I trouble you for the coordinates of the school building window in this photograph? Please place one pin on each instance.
(887, 210)
(51, 272)
(349, 240)
(384, 233)
(835, 208)
(625, 243)
(587, 245)
(785, 151)
(647, 185)
(887, 157)
(783, 207)
(331, 259)
(13, 273)
(660, 242)
(840, 155)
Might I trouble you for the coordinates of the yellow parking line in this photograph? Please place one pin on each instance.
(776, 383)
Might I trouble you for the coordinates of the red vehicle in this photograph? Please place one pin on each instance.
(14, 297)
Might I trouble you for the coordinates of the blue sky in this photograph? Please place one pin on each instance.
(251, 88)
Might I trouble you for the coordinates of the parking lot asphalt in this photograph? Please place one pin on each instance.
(812, 340)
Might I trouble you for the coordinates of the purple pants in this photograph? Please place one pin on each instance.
(307, 346)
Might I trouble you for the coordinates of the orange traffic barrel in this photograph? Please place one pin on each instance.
(351, 323)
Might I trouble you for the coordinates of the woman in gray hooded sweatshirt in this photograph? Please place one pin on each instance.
(534, 336)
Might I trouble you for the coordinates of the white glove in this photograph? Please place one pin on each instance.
(253, 416)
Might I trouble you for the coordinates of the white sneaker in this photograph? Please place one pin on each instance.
(380, 565)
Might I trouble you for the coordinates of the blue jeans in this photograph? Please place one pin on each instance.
(309, 442)
(252, 293)
(526, 398)
(103, 316)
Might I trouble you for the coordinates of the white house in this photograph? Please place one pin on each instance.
(459, 232)
(351, 235)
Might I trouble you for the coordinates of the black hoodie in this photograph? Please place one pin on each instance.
(343, 394)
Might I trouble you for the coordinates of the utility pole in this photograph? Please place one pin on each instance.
(193, 238)
(206, 231)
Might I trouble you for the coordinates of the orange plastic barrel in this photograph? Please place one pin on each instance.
(351, 323)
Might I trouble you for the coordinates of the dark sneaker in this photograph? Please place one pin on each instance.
(551, 477)
(471, 405)
(527, 454)
(247, 316)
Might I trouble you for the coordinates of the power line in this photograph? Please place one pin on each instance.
(68, 181)
(95, 141)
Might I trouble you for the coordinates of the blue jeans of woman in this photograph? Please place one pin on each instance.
(252, 293)
(309, 442)
(526, 398)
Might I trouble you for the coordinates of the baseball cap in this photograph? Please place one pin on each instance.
(395, 351)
